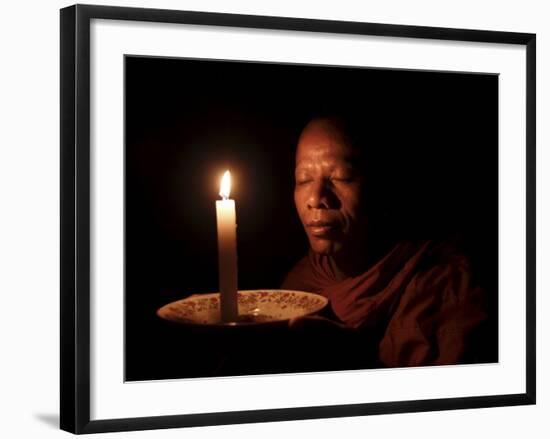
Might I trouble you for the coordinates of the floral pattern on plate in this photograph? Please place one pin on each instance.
(255, 307)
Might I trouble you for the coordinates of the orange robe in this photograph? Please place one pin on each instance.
(419, 298)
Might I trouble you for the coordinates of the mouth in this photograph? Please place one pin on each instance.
(322, 229)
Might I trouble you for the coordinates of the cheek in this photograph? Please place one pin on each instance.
(299, 202)
(351, 202)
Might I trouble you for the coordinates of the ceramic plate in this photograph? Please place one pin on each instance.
(255, 307)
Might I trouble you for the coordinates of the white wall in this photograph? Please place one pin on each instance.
(29, 249)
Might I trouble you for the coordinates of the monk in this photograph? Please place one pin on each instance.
(393, 304)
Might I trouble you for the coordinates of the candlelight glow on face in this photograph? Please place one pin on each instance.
(225, 186)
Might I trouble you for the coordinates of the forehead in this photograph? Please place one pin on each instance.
(323, 143)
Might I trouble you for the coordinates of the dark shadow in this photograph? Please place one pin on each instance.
(50, 419)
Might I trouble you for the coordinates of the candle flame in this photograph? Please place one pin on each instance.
(225, 187)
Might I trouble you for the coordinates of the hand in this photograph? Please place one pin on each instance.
(318, 324)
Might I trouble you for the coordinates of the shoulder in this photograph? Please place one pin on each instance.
(440, 309)
(437, 285)
(448, 253)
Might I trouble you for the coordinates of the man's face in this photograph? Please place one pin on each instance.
(328, 190)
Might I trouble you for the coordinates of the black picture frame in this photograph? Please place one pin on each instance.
(75, 217)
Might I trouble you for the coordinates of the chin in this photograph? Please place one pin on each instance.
(325, 247)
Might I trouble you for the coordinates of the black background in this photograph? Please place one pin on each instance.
(187, 121)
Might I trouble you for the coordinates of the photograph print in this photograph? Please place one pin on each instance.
(293, 218)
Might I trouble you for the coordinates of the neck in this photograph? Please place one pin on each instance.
(357, 259)
(349, 263)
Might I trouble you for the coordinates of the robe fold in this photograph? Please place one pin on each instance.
(418, 298)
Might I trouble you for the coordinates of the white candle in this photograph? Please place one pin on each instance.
(227, 251)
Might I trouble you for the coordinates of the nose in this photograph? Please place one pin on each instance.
(320, 196)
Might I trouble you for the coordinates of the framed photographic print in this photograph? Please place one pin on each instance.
(275, 218)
